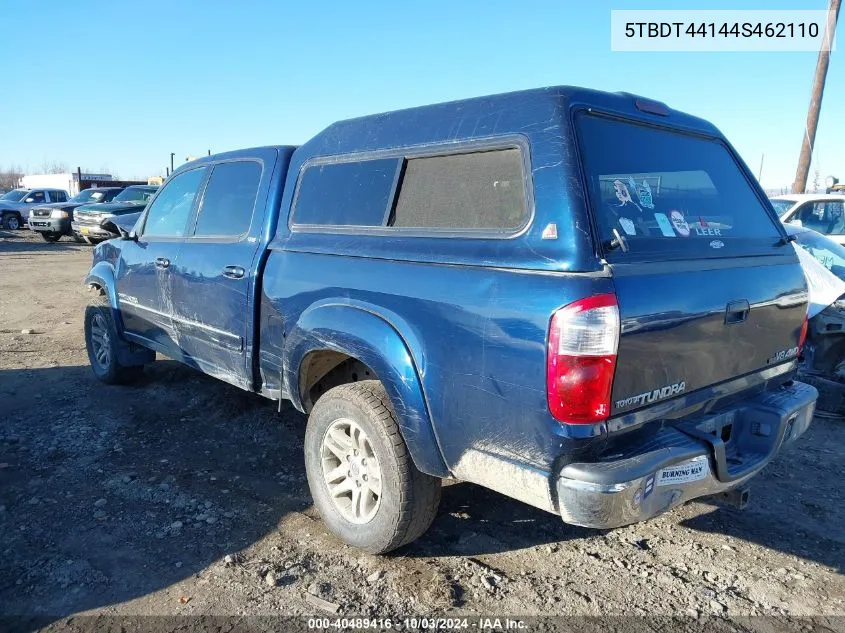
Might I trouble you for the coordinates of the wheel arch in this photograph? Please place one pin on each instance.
(368, 342)
(102, 276)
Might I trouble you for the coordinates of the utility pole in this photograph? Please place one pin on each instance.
(172, 154)
(816, 99)
(760, 174)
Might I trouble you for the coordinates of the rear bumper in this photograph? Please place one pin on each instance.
(692, 459)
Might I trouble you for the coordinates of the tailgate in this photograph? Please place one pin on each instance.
(687, 328)
(708, 286)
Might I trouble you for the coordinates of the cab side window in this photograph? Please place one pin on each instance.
(58, 196)
(36, 196)
(169, 212)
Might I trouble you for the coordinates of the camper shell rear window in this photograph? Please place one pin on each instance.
(655, 191)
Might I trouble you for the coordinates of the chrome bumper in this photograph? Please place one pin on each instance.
(90, 230)
(693, 459)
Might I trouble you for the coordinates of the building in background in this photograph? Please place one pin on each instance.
(74, 182)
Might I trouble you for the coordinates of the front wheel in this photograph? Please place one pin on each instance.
(361, 477)
(12, 221)
(102, 343)
(51, 237)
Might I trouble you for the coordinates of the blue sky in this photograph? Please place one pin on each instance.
(96, 84)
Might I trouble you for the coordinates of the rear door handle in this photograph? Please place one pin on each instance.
(162, 262)
(234, 272)
(737, 311)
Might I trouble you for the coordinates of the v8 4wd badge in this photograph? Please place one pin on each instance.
(784, 354)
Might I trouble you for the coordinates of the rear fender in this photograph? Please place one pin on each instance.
(369, 337)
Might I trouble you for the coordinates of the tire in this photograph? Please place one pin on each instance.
(51, 237)
(408, 499)
(102, 343)
(12, 221)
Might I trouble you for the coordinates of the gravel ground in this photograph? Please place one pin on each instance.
(183, 495)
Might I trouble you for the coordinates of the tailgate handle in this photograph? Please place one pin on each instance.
(736, 312)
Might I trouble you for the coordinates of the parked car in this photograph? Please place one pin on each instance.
(53, 220)
(821, 212)
(15, 205)
(89, 219)
(823, 359)
(505, 290)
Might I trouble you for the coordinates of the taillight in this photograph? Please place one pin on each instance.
(802, 338)
(583, 339)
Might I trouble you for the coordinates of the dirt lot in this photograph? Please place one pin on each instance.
(183, 495)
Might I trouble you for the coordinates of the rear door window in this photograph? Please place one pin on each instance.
(229, 200)
(669, 194)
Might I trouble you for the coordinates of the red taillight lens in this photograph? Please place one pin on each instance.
(802, 338)
(583, 339)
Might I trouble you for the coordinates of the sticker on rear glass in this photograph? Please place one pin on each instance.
(664, 224)
(679, 223)
(643, 193)
(686, 472)
(628, 226)
(622, 193)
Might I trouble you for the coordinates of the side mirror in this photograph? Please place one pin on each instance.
(30, 200)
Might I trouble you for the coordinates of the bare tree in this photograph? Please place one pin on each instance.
(10, 177)
(54, 167)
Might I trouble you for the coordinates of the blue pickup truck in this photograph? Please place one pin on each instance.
(581, 300)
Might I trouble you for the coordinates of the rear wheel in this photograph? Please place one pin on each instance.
(12, 221)
(362, 478)
(102, 343)
(51, 237)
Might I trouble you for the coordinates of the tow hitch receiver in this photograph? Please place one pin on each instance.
(737, 497)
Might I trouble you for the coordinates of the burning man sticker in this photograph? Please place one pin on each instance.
(664, 224)
(679, 223)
